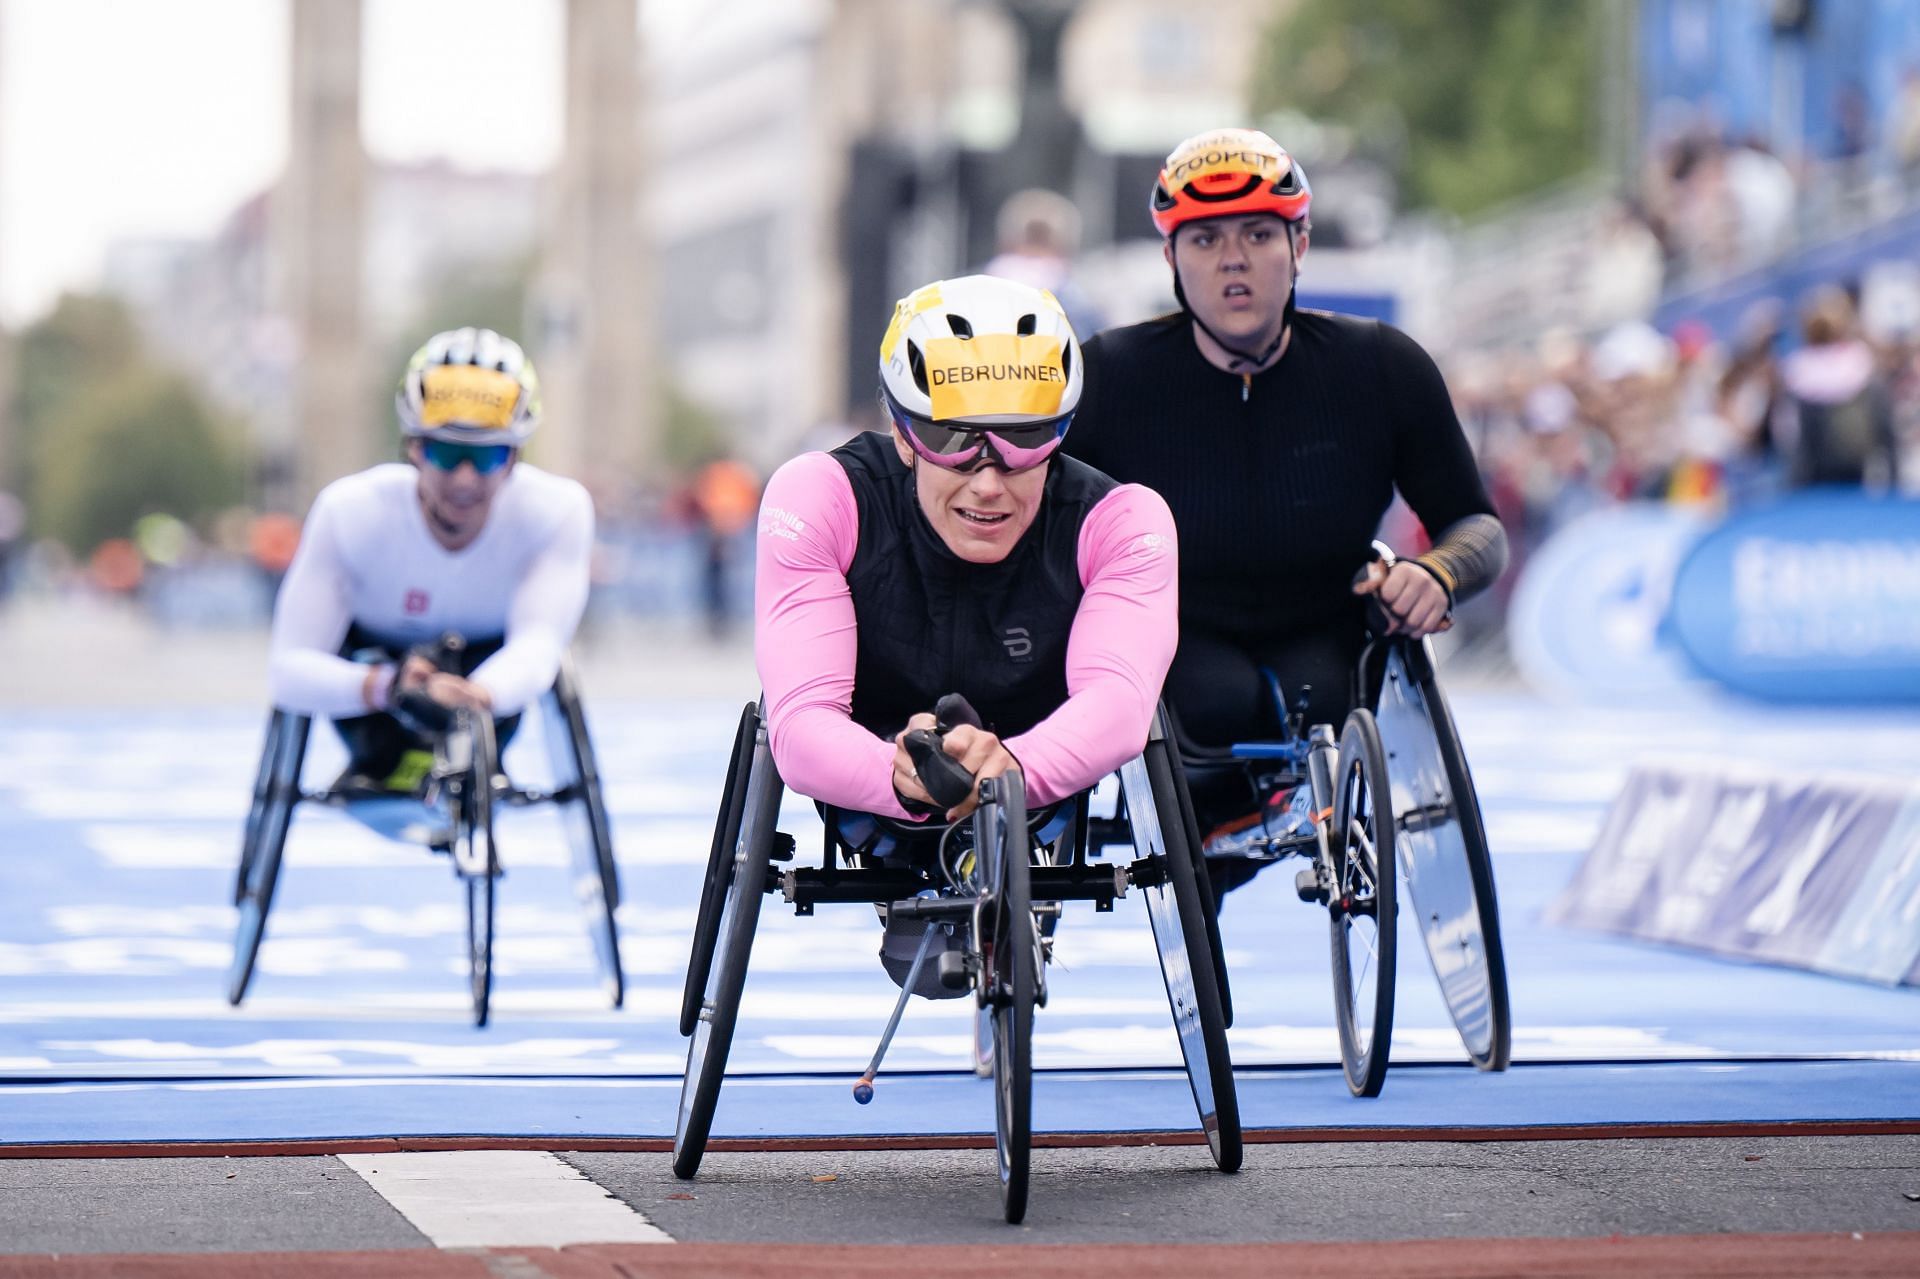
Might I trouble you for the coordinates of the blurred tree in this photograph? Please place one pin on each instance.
(1472, 102)
(693, 433)
(85, 340)
(137, 442)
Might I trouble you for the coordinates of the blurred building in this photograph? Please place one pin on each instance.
(212, 307)
(813, 161)
(799, 164)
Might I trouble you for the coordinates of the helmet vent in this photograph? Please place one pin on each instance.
(917, 363)
(1028, 323)
(960, 325)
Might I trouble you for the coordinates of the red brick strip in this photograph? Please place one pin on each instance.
(1706, 1256)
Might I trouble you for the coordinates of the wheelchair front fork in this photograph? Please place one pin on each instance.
(1315, 883)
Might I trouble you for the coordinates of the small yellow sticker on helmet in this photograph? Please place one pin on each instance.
(467, 395)
(997, 373)
(924, 298)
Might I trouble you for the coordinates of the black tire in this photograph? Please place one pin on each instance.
(473, 821)
(1221, 981)
(264, 842)
(1489, 1047)
(589, 831)
(1000, 832)
(480, 945)
(1180, 910)
(713, 889)
(745, 881)
(257, 808)
(1362, 906)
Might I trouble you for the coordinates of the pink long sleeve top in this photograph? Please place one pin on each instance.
(805, 643)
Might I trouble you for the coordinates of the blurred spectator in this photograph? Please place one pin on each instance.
(725, 497)
(1038, 233)
(115, 567)
(1625, 271)
(1836, 417)
(1903, 128)
(272, 539)
(13, 532)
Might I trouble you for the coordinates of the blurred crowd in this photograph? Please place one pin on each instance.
(1715, 201)
(678, 550)
(1793, 400)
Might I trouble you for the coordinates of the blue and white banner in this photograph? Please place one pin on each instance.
(1588, 617)
(1817, 874)
(1816, 598)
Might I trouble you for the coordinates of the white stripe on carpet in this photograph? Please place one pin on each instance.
(501, 1199)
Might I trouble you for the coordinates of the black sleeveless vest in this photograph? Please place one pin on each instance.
(933, 623)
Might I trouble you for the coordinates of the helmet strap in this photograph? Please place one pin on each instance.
(1254, 362)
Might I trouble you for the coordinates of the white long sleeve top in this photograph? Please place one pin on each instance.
(367, 557)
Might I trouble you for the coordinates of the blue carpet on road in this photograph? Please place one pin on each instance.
(118, 833)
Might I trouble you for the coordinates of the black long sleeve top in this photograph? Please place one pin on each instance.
(1277, 481)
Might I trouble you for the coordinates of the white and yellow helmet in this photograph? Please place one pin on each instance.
(471, 386)
(980, 352)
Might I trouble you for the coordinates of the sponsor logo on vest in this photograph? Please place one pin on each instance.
(417, 602)
(1019, 643)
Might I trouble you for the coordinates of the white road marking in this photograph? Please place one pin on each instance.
(501, 1199)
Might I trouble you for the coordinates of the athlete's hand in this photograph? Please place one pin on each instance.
(414, 674)
(906, 781)
(455, 692)
(1414, 601)
(981, 754)
(978, 751)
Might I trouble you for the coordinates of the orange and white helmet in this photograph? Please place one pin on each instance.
(981, 367)
(1226, 172)
(469, 386)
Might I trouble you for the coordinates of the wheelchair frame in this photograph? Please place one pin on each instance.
(466, 784)
(1398, 755)
(750, 859)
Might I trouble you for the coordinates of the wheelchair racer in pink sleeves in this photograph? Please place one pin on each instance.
(961, 553)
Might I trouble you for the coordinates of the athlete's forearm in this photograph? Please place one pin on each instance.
(1123, 640)
(307, 681)
(541, 620)
(1468, 556)
(805, 640)
(305, 673)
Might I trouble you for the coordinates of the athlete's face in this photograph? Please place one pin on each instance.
(456, 500)
(1237, 273)
(981, 514)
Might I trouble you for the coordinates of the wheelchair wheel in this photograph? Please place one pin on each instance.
(476, 858)
(1362, 906)
(1442, 847)
(1221, 983)
(713, 890)
(983, 1043)
(276, 791)
(744, 880)
(596, 880)
(1179, 908)
(1011, 973)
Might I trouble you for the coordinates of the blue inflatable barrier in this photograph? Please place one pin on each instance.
(1812, 599)
(1821, 874)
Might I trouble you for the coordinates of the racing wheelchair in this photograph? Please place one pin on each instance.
(450, 811)
(987, 894)
(1392, 789)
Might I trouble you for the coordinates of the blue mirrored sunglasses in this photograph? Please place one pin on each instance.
(446, 455)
